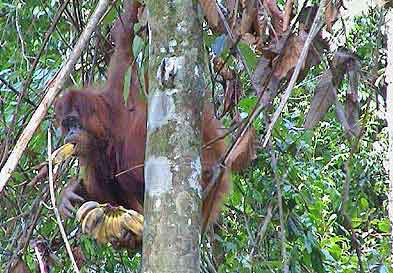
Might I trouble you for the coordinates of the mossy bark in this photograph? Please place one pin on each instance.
(173, 154)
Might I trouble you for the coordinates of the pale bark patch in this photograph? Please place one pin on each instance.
(158, 176)
(161, 110)
(195, 176)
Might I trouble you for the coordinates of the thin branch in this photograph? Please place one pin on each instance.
(262, 229)
(23, 239)
(54, 207)
(278, 180)
(29, 79)
(48, 34)
(130, 169)
(20, 36)
(13, 89)
(53, 89)
(315, 28)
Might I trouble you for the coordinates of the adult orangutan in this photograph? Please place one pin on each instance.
(110, 135)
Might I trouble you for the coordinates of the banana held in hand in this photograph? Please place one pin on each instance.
(93, 218)
(62, 153)
(133, 221)
(85, 208)
(105, 222)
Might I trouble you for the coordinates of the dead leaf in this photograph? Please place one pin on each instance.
(306, 17)
(325, 94)
(313, 56)
(352, 107)
(289, 57)
(261, 26)
(330, 15)
(260, 75)
(210, 10)
(352, 114)
(233, 93)
(275, 47)
(250, 39)
(80, 258)
(340, 114)
(289, 50)
(275, 13)
(231, 5)
(222, 68)
(245, 151)
(287, 15)
(248, 17)
(343, 61)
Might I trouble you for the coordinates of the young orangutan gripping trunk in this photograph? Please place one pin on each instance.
(110, 136)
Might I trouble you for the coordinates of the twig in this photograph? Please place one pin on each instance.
(54, 207)
(53, 89)
(20, 36)
(228, 132)
(281, 213)
(13, 89)
(48, 34)
(23, 240)
(130, 169)
(316, 26)
(263, 228)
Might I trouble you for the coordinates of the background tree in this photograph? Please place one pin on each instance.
(173, 149)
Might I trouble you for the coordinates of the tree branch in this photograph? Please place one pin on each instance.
(53, 89)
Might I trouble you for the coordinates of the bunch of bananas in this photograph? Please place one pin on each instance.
(106, 222)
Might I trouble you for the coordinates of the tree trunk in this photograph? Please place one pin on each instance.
(173, 154)
(389, 116)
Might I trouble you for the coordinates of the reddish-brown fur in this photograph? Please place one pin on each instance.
(114, 134)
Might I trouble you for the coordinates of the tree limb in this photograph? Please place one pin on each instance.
(53, 89)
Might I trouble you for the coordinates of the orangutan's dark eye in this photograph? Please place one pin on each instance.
(71, 122)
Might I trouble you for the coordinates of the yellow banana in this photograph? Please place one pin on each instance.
(92, 218)
(132, 223)
(62, 153)
(85, 208)
(116, 227)
(100, 232)
(133, 213)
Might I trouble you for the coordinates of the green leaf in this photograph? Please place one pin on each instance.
(363, 203)
(138, 46)
(356, 222)
(249, 55)
(110, 16)
(384, 225)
